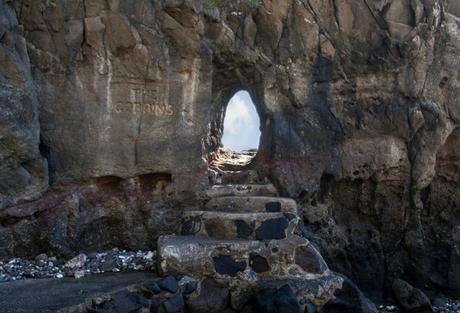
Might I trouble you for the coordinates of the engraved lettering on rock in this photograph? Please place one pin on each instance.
(144, 101)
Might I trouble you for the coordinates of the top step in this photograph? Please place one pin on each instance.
(237, 177)
(252, 204)
(242, 190)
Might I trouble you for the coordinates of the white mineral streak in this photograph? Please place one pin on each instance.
(190, 93)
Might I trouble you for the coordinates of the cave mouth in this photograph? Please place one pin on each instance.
(241, 131)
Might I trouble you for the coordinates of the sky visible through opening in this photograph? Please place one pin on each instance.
(241, 124)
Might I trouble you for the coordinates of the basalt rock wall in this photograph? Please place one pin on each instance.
(109, 109)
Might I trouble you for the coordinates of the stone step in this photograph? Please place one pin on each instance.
(242, 190)
(249, 260)
(252, 204)
(238, 177)
(224, 225)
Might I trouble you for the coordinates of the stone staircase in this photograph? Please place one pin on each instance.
(247, 237)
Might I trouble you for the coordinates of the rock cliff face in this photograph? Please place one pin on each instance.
(110, 109)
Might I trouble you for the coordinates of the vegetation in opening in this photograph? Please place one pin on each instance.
(209, 4)
(241, 124)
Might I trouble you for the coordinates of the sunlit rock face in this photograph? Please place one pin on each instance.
(112, 108)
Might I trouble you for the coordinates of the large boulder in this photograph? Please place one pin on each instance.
(349, 299)
(411, 299)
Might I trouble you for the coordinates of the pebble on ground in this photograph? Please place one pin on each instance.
(80, 266)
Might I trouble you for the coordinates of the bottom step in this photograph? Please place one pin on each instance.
(250, 260)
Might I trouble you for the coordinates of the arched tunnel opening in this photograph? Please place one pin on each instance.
(237, 129)
(241, 129)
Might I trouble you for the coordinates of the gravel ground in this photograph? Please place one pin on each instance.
(82, 265)
(450, 306)
(446, 306)
(388, 309)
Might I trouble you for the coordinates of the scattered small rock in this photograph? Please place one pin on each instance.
(77, 262)
(79, 274)
(447, 306)
(450, 306)
(388, 308)
(149, 255)
(41, 257)
(44, 266)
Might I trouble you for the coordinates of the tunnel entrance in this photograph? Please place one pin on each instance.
(241, 124)
(241, 132)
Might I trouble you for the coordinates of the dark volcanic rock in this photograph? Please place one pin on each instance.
(411, 299)
(310, 260)
(191, 226)
(282, 300)
(273, 207)
(153, 287)
(272, 229)
(213, 298)
(125, 301)
(243, 229)
(226, 265)
(188, 285)
(349, 299)
(169, 283)
(175, 304)
(258, 263)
